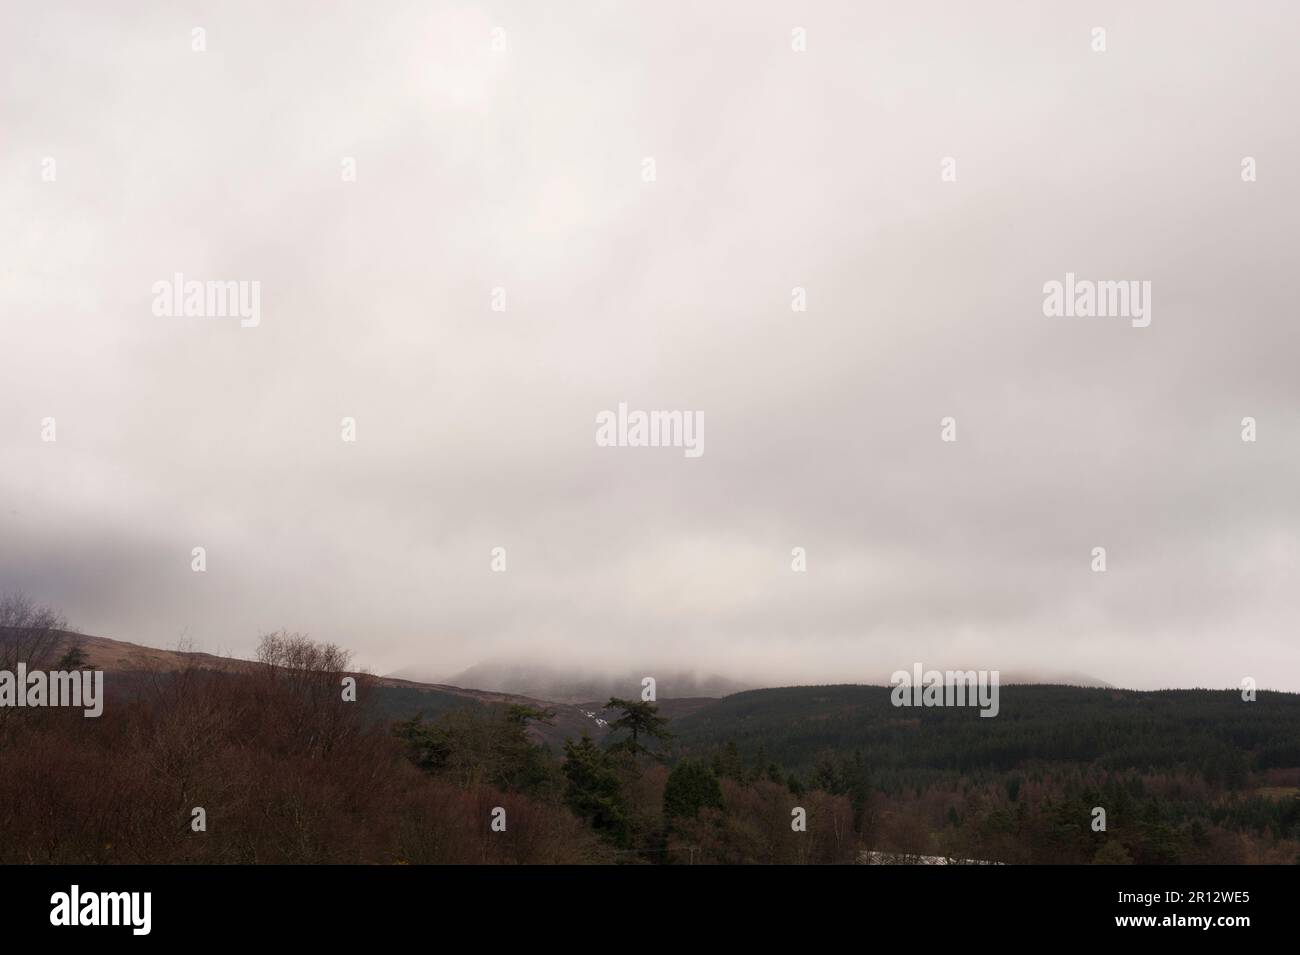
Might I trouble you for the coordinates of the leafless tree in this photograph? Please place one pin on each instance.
(306, 678)
(31, 634)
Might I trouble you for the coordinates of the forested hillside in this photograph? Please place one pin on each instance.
(1181, 775)
(1213, 733)
(295, 758)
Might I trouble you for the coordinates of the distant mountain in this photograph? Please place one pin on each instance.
(692, 701)
(575, 685)
(1040, 678)
(567, 685)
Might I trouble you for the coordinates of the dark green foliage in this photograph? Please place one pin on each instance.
(388, 703)
(482, 745)
(640, 719)
(73, 659)
(1207, 731)
(427, 748)
(1176, 771)
(727, 763)
(691, 786)
(521, 714)
(593, 791)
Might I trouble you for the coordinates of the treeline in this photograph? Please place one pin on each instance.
(640, 809)
(269, 766)
(1048, 814)
(1187, 776)
(298, 760)
(1214, 733)
(278, 765)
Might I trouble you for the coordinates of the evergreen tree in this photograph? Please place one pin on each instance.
(641, 719)
(727, 764)
(827, 775)
(521, 713)
(593, 791)
(857, 784)
(74, 659)
(691, 787)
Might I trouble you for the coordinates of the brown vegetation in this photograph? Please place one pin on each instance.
(285, 771)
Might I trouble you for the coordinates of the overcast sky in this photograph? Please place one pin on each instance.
(523, 169)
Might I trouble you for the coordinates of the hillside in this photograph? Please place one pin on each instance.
(126, 664)
(1210, 731)
(576, 683)
(1183, 775)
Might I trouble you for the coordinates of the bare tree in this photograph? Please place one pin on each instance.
(32, 635)
(301, 658)
(306, 679)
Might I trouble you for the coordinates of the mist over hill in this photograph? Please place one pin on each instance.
(564, 684)
(575, 685)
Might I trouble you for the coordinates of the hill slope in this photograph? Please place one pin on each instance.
(126, 664)
(1214, 731)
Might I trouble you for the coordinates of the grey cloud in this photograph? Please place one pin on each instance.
(475, 428)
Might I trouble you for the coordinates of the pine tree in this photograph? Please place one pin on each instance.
(691, 787)
(593, 791)
(642, 719)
